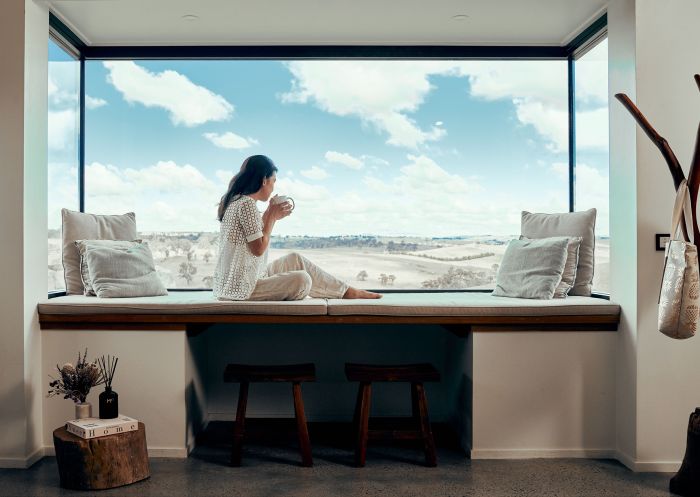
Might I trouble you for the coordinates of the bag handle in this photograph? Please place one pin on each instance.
(682, 212)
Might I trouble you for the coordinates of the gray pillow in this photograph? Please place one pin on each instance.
(531, 269)
(568, 276)
(82, 226)
(123, 271)
(84, 271)
(567, 224)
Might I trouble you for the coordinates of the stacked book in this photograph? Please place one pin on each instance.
(96, 427)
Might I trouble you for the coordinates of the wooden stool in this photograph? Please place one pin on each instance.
(293, 373)
(102, 462)
(416, 374)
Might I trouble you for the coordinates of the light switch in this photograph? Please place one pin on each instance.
(661, 240)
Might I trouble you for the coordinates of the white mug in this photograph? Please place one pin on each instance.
(280, 199)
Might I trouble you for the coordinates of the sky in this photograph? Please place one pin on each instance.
(397, 148)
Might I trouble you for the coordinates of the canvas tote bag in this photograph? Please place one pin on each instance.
(679, 299)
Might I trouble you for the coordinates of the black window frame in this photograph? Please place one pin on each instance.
(589, 36)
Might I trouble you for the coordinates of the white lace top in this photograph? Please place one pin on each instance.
(237, 269)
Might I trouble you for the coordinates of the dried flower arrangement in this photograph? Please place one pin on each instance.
(76, 381)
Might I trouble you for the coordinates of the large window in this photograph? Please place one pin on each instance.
(63, 139)
(591, 167)
(406, 174)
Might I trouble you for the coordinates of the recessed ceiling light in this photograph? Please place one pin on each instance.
(460, 17)
(190, 17)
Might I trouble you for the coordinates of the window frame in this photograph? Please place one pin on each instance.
(588, 38)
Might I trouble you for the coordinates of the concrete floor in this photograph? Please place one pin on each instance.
(390, 471)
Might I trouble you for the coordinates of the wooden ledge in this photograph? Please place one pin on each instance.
(196, 323)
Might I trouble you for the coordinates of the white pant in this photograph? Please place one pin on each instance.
(293, 277)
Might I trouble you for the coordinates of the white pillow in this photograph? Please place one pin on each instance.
(126, 270)
(567, 224)
(82, 226)
(84, 271)
(531, 269)
(568, 276)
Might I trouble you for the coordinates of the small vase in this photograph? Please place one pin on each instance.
(83, 410)
(109, 404)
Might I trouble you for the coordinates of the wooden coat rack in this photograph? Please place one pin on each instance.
(671, 159)
(687, 481)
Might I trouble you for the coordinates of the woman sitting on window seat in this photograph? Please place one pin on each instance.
(242, 271)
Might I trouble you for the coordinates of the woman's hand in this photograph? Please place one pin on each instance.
(277, 211)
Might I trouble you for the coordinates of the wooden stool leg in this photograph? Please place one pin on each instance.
(426, 431)
(302, 429)
(239, 426)
(363, 424)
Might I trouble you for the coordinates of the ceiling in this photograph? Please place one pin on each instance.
(319, 22)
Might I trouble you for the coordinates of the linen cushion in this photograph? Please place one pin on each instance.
(127, 270)
(567, 224)
(455, 304)
(82, 226)
(184, 302)
(82, 247)
(531, 269)
(568, 276)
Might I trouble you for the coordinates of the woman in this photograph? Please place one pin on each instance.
(242, 271)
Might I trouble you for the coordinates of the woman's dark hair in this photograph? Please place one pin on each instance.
(248, 180)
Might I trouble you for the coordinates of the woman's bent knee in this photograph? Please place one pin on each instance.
(299, 285)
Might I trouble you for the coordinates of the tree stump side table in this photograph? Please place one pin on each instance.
(102, 462)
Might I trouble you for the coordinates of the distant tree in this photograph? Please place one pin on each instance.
(207, 255)
(183, 245)
(391, 279)
(458, 278)
(187, 271)
(362, 275)
(383, 278)
(208, 281)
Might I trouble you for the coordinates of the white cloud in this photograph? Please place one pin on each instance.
(63, 192)
(422, 199)
(224, 176)
(592, 129)
(302, 192)
(168, 177)
(592, 191)
(165, 196)
(379, 94)
(186, 102)
(384, 95)
(230, 140)
(315, 173)
(344, 159)
(62, 129)
(94, 102)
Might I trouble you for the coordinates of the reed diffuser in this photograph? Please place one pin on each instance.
(109, 400)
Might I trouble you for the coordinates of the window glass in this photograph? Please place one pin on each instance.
(405, 174)
(63, 137)
(592, 164)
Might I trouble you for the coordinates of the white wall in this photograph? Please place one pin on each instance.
(23, 128)
(155, 382)
(667, 42)
(543, 394)
(623, 220)
(653, 56)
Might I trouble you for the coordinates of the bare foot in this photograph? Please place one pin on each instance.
(356, 293)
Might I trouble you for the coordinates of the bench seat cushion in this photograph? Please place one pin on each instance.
(178, 303)
(470, 304)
